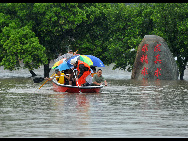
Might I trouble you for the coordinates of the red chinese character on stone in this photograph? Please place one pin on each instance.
(144, 58)
(157, 59)
(157, 72)
(145, 48)
(157, 48)
(144, 71)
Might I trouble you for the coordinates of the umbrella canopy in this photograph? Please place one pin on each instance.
(64, 66)
(58, 63)
(96, 61)
(83, 58)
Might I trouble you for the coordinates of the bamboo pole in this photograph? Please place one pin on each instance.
(46, 81)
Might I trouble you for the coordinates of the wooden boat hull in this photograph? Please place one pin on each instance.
(75, 89)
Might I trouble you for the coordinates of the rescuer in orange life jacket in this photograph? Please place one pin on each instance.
(83, 71)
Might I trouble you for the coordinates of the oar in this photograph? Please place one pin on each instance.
(46, 80)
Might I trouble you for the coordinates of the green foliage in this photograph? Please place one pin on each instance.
(20, 44)
(37, 32)
(171, 24)
(54, 24)
(126, 26)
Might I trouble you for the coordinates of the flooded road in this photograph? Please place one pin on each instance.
(125, 108)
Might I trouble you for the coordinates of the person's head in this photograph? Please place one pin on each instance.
(73, 62)
(57, 72)
(93, 68)
(70, 51)
(99, 72)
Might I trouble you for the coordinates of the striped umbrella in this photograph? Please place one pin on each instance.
(58, 63)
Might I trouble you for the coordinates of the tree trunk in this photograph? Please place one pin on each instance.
(182, 73)
(182, 69)
(47, 69)
(182, 65)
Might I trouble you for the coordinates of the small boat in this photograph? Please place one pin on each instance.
(75, 89)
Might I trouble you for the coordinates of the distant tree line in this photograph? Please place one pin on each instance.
(37, 32)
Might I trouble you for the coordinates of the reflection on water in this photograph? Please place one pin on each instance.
(125, 108)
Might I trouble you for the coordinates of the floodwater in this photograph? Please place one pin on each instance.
(124, 108)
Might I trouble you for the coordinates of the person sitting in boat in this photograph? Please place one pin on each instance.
(88, 80)
(59, 77)
(83, 71)
(98, 79)
(93, 70)
(68, 76)
(74, 77)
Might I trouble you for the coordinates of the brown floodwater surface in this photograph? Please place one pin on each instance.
(124, 108)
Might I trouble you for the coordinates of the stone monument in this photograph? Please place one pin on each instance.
(154, 60)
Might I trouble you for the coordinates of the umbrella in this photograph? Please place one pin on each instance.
(64, 66)
(58, 63)
(83, 58)
(96, 61)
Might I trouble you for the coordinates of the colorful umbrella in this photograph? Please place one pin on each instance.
(96, 61)
(81, 58)
(58, 63)
(64, 66)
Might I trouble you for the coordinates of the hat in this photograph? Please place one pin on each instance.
(70, 51)
(73, 61)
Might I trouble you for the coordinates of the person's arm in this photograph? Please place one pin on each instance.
(75, 52)
(68, 77)
(105, 83)
(50, 79)
(96, 83)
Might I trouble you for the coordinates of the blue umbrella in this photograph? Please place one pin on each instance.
(64, 66)
(69, 59)
(96, 61)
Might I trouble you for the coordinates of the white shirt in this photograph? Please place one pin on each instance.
(89, 79)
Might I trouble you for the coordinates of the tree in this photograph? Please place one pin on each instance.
(110, 31)
(129, 24)
(20, 44)
(18, 41)
(127, 27)
(171, 23)
(92, 35)
(53, 25)
(46, 26)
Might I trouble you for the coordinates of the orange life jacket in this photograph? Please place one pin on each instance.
(83, 72)
(85, 65)
(93, 74)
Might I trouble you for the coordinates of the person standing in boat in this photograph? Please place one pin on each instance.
(98, 79)
(67, 55)
(83, 71)
(59, 77)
